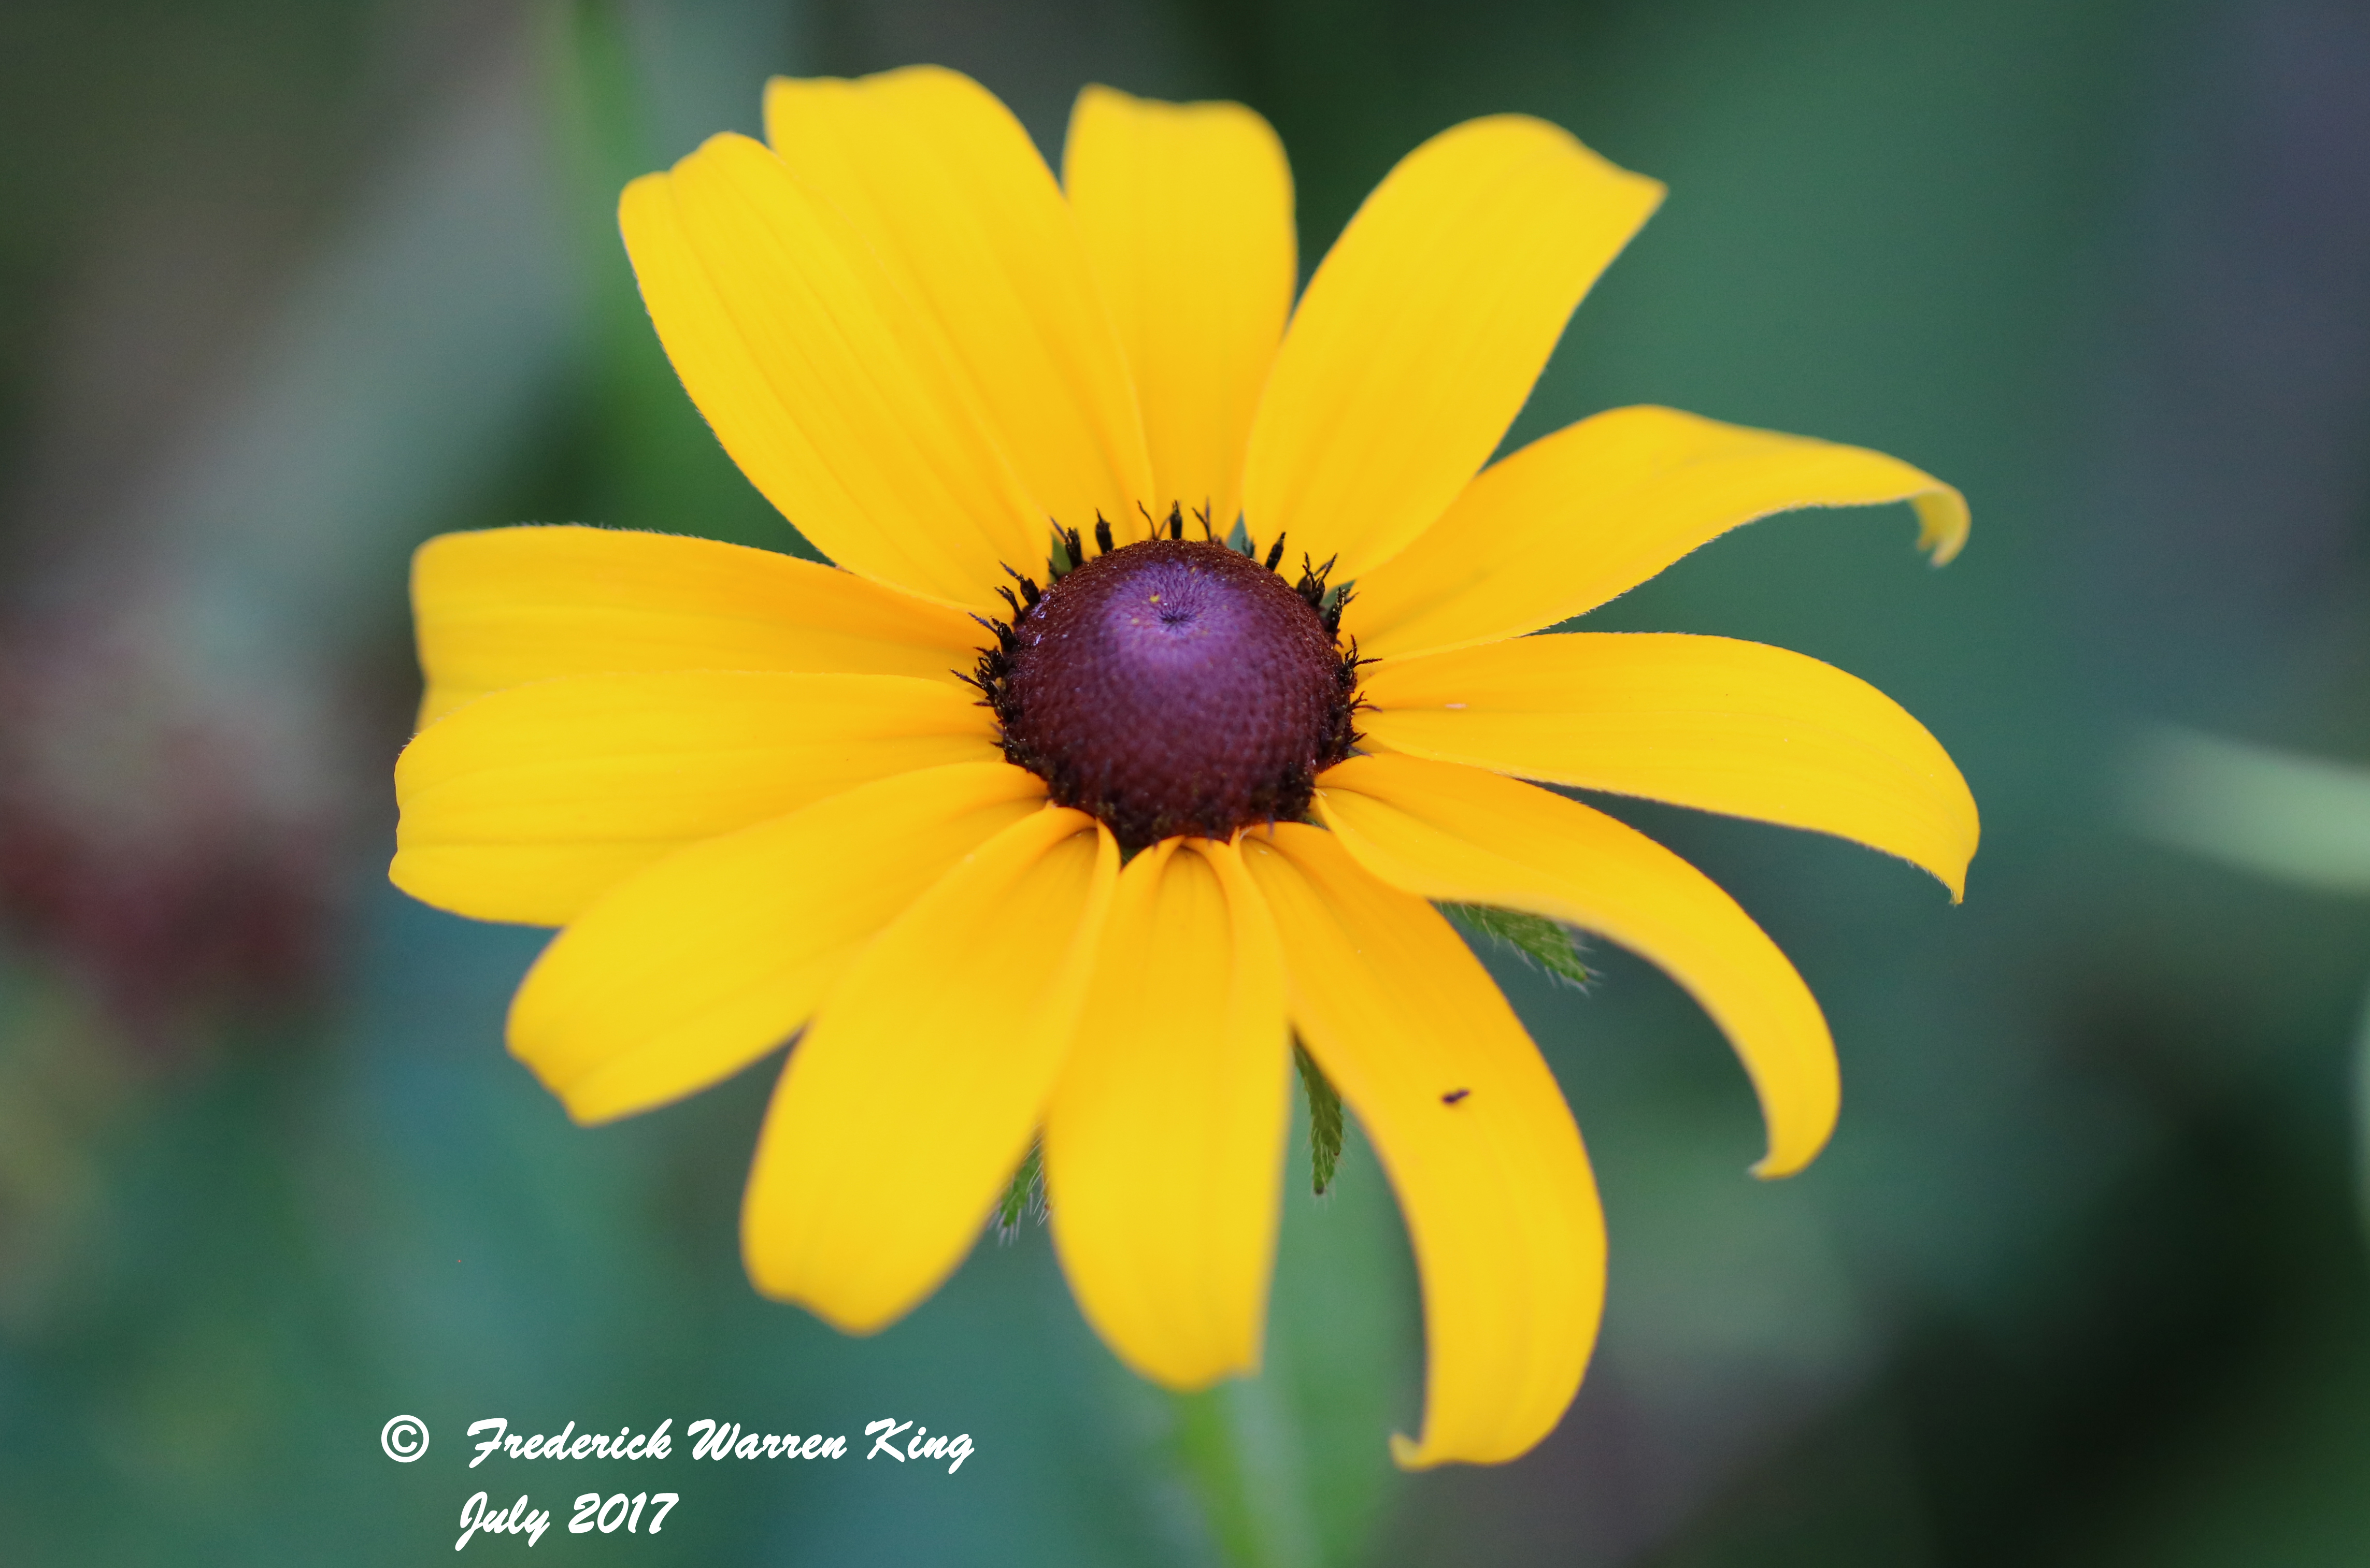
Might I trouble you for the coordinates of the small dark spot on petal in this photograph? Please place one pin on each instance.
(1454, 1095)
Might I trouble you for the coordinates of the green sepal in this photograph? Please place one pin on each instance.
(1546, 944)
(1324, 1120)
(1025, 1198)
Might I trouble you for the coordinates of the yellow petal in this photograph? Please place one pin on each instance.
(917, 1088)
(951, 193)
(1473, 1131)
(1708, 722)
(1422, 331)
(1164, 1145)
(1186, 212)
(527, 804)
(1442, 832)
(688, 972)
(509, 605)
(825, 384)
(1590, 512)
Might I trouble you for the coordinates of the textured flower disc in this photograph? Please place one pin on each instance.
(1174, 687)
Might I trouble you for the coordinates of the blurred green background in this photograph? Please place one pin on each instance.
(288, 285)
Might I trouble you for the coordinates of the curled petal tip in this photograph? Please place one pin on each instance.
(1942, 523)
(1780, 1163)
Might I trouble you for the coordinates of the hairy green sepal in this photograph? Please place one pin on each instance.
(1324, 1120)
(1025, 1198)
(1546, 944)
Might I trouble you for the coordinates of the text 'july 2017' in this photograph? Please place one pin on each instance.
(645, 1513)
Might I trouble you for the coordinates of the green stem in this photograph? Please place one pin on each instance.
(1241, 1449)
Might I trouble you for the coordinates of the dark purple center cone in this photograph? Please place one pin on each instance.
(1175, 688)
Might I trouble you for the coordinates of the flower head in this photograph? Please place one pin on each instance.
(1048, 814)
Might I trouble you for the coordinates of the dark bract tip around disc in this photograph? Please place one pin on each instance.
(1173, 688)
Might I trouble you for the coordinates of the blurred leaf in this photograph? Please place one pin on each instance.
(2292, 818)
(652, 460)
(2362, 1116)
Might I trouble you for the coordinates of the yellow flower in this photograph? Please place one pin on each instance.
(763, 802)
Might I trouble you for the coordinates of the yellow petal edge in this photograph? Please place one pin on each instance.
(1500, 1203)
(1186, 213)
(1165, 1142)
(504, 606)
(1440, 832)
(827, 387)
(1421, 334)
(1708, 722)
(949, 193)
(917, 1088)
(525, 804)
(648, 996)
(1588, 513)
